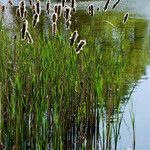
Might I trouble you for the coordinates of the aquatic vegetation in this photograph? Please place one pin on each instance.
(52, 98)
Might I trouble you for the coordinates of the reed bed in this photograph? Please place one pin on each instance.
(53, 98)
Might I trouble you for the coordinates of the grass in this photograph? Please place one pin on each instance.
(52, 98)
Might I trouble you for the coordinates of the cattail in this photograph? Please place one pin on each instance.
(54, 28)
(18, 14)
(54, 17)
(126, 16)
(56, 9)
(59, 10)
(10, 2)
(98, 9)
(22, 8)
(63, 3)
(24, 29)
(80, 46)
(30, 2)
(35, 19)
(67, 13)
(48, 7)
(29, 38)
(117, 2)
(34, 8)
(73, 4)
(73, 37)
(38, 7)
(106, 5)
(25, 14)
(3, 8)
(68, 24)
(91, 10)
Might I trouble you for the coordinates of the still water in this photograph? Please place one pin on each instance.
(115, 90)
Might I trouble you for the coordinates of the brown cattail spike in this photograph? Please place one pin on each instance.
(117, 2)
(56, 9)
(80, 46)
(48, 7)
(54, 28)
(73, 4)
(126, 16)
(24, 29)
(106, 5)
(38, 7)
(91, 10)
(67, 13)
(35, 19)
(54, 17)
(63, 3)
(73, 37)
(18, 14)
(30, 2)
(59, 10)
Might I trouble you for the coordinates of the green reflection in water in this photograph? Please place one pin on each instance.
(52, 98)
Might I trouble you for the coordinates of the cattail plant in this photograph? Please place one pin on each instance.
(63, 3)
(48, 7)
(38, 7)
(80, 46)
(59, 10)
(24, 29)
(30, 2)
(35, 19)
(73, 4)
(10, 2)
(54, 28)
(34, 8)
(117, 2)
(56, 9)
(68, 24)
(73, 37)
(106, 5)
(67, 13)
(22, 8)
(126, 16)
(29, 37)
(18, 14)
(91, 10)
(54, 17)
(3, 8)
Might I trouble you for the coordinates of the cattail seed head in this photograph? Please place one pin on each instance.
(54, 17)
(24, 29)
(48, 7)
(38, 7)
(3, 8)
(91, 10)
(126, 16)
(106, 5)
(59, 10)
(80, 46)
(116, 3)
(18, 14)
(35, 19)
(56, 9)
(10, 2)
(63, 3)
(30, 2)
(67, 13)
(73, 37)
(54, 28)
(73, 4)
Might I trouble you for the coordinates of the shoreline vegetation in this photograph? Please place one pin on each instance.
(65, 80)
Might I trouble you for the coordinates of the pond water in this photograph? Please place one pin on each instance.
(52, 98)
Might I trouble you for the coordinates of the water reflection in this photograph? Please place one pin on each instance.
(81, 105)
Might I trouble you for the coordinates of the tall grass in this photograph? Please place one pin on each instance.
(52, 98)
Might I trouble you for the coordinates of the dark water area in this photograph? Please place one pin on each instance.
(55, 99)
